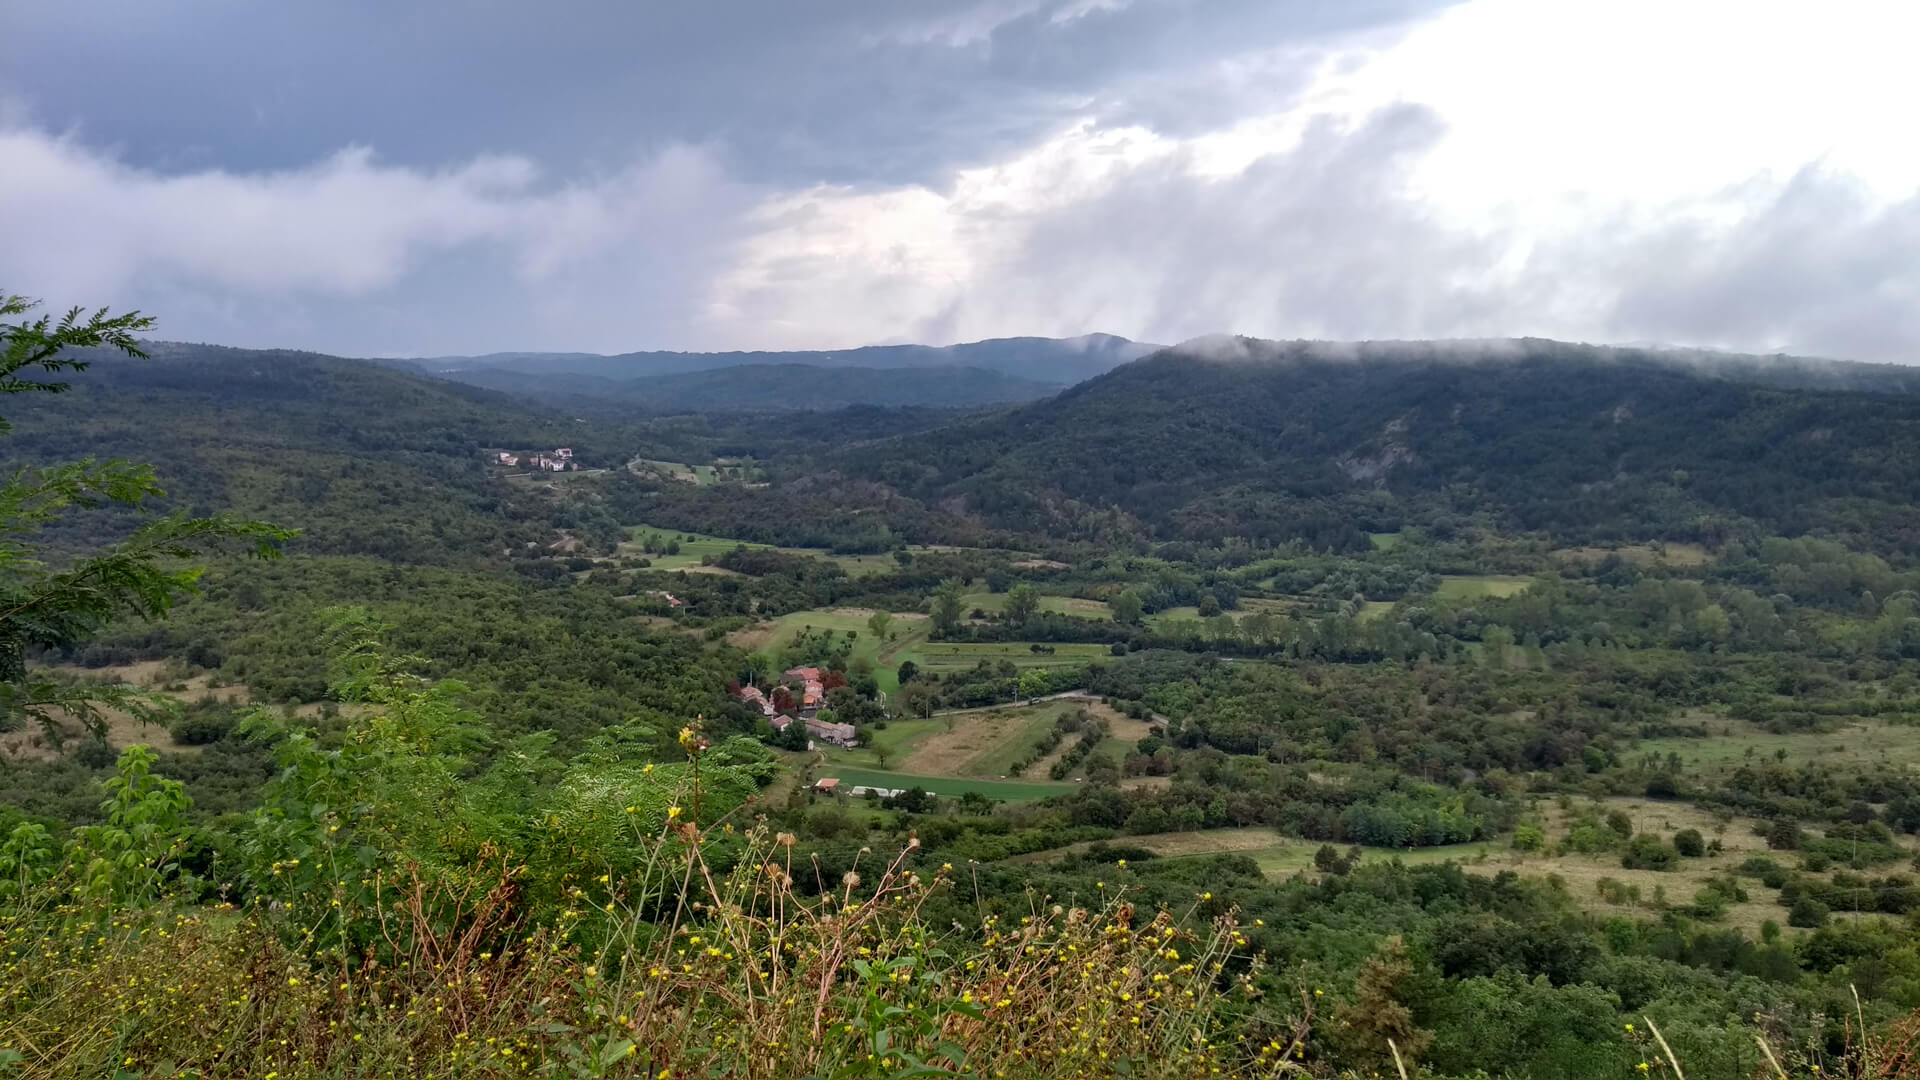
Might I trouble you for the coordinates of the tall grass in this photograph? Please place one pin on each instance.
(682, 969)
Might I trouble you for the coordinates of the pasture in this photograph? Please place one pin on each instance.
(907, 628)
(696, 546)
(982, 743)
(1475, 586)
(673, 470)
(1731, 744)
(1581, 876)
(948, 786)
(950, 656)
(1063, 605)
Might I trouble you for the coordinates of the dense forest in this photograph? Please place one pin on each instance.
(1253, 709)
(1293, 441)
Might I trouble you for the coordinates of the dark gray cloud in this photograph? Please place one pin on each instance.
(438, 177)
(847, 91)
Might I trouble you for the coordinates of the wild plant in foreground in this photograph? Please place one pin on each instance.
(681, 967)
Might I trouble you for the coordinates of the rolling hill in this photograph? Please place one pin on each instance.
(361, 458)
(1051, 360)
(765, 388)
(1326, 443)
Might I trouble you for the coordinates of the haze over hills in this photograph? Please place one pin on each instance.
(1052, 360)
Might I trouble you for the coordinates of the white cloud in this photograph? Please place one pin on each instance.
(1605, 171)
(83, 227)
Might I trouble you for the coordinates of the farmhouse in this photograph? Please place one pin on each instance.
(828, 784)
(837, 734)
(560, 460)
(752, 696)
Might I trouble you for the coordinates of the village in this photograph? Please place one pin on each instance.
(798, 698)
(558, 460)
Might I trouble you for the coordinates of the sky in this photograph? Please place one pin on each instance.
(463, 176)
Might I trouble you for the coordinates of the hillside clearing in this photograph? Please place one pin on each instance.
(1475, 586)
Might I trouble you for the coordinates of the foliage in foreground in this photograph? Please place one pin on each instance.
(685, 966)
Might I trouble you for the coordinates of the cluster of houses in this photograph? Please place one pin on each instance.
(806, 691)
(560, 460)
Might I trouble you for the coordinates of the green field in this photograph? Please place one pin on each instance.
(944, 656)
(1384, 541)
(674, 470)
(1064, 605)
(906, 631)
(1475, 586)
(699, 545)
(894, 742)
(1004, 790)
(1172, 614)
(1861, 742)
(1276, 855)
(693, 546)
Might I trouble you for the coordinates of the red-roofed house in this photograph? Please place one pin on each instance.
(752, 696)
(801, 674)
(827, 784)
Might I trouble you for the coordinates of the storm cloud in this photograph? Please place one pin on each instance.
(440, 178)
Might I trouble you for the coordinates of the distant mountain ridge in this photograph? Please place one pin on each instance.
(764, 388)
(1047, 360)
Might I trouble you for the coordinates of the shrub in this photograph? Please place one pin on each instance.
(1807, 912)
(1690, 843)
(1648, 852)
(202, 728)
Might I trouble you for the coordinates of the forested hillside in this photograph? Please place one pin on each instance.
(359, 458)
(1057, 360)
(1275, 441)
(1261, 712)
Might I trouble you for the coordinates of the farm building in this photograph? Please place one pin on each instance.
(827, 784)
(752, 696)
(837, 734)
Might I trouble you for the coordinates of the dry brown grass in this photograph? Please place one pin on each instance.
(1119, 724)
(974, 735)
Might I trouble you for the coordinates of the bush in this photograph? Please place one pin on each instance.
(1649, 852)
(1690, 843)
(202, 728)
(1807, 913)
(1620, 823)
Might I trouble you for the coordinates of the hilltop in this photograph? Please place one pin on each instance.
(1055, 360)
(1282, 440)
